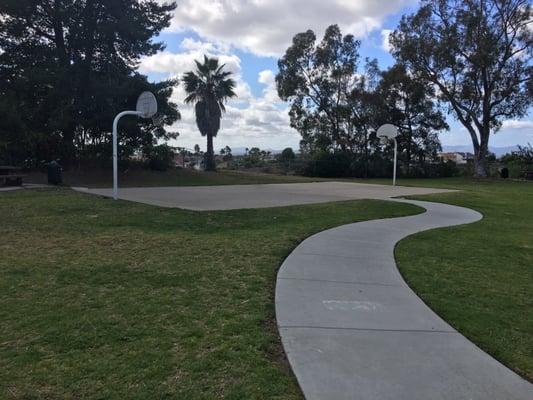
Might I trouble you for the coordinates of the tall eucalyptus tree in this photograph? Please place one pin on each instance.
(478, 56)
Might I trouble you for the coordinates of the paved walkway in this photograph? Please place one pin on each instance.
(230, 197)
(353, 329)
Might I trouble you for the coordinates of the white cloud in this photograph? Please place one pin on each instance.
(517, 124)
(266, 77)
(249, 120)
(177, 63)
(266, 27)
(270, 92)
(385, 44)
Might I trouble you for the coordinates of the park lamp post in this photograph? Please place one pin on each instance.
(386, 133)
(146, 108)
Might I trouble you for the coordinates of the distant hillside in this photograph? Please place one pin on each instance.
(499, 151)
(239, 151)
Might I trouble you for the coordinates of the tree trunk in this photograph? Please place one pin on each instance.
(480, 165)
(209, 158)
(480, 155)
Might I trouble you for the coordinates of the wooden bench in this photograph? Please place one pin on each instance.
(10, 175)
(528, 175)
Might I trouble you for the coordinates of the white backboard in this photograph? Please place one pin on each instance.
(147, 105)
(387, 131)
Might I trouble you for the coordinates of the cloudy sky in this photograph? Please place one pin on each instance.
(250, 35)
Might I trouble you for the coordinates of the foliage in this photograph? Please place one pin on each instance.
(226, 154)
(329, 165)
(160, 157)
(524, 154)
(408, 103)
(504, 172)
(519, 161)
(439, 169)
(478, 54)
(208, 88)
(378, 165)
(317, 80)
(68, 67)
(287, 155)
(337, 110)
(255, 157)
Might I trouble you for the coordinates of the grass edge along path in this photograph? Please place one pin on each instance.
(103, 299)
(479, 277)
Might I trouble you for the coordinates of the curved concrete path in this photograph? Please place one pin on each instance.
(353, 329)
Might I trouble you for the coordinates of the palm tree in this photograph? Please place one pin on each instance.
(208, 88)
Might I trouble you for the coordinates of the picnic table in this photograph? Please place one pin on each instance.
(10, 175)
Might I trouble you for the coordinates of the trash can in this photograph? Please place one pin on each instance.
(55, 173)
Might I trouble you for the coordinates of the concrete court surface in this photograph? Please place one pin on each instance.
(24, 186)
(9, 188)
(352, 328)
(230, 197)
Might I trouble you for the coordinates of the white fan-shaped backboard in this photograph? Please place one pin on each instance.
(387, 131)
(147, 105)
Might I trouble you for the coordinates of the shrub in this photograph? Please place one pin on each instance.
(444, 170)
(345, 164)
(329, 165)
(519, 161)
(255, 157)
(160, 158)
(287, 155)
(504, 172)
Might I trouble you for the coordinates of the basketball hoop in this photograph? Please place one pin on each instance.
(146, 108)
(386, 133)
(146, 105)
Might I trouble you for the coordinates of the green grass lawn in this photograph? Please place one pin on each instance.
(140, 177)
(118, 300)
(479, 277)
(114, 300)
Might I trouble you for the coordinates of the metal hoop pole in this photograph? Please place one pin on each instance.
(395, 158)
(115, 150)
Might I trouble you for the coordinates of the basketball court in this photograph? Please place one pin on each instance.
(230, 197)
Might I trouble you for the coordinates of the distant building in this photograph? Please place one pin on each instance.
(269, 156)
(456, 157)
(138, 156)
(179, 159)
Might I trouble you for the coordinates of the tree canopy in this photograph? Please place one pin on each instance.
(337, 108)
(477, 54)
(67, 67)
(317, 80)
(409, 104)
(208, 88)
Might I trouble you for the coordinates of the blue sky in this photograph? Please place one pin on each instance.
(250, 36)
